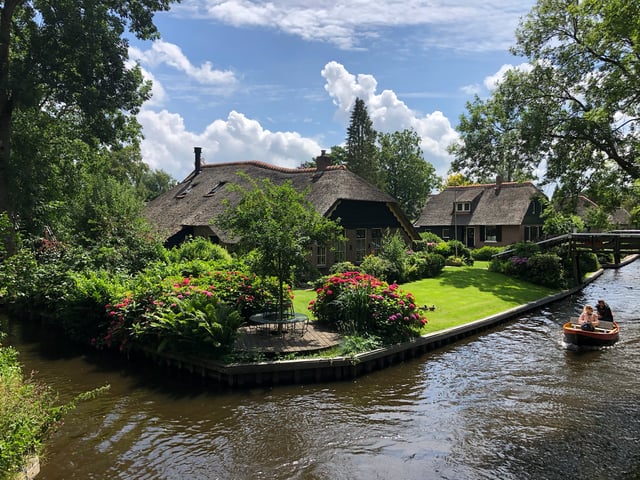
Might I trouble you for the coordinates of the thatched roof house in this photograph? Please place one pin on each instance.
(366, 212)
(494, 214)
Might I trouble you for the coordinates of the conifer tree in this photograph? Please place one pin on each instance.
(362, 153)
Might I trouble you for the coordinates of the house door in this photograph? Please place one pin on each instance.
(471, 237)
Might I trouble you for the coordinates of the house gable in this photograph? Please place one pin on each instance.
(492, 210)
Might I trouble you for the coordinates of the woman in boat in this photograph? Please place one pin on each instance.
(604, 312)
(588, 319)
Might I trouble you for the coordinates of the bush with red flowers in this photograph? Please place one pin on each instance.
(359, 304)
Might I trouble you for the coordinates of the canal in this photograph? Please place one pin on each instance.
(510, 403)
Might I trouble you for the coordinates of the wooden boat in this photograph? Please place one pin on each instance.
(603, 336)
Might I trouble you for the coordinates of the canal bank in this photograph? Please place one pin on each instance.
(314, 370)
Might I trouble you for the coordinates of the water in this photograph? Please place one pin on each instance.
(511, 403)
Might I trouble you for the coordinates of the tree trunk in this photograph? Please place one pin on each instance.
(6, 114)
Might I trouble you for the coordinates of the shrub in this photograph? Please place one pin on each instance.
(453, 261)
(198, 313)
(378, 267)
(485, 253)
(200, 248)
(28, 414)
(342, 267)
(588, 262)
(546, 270)
(525, 249)
(359, 304)
(455, 248)
(430, 237)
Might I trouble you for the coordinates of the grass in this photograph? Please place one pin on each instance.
(460, 295)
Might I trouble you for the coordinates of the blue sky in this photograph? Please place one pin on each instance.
(276, 81)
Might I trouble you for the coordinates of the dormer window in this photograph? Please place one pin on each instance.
(183, 193)
(463, 207)
(215, 189)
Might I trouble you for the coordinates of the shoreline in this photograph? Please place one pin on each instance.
(315, 370)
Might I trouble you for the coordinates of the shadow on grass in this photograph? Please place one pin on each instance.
(502, 286)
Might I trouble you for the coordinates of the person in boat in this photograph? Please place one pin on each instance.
(588, 319)
(604, 312)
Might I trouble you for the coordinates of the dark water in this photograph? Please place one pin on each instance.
(512, 403)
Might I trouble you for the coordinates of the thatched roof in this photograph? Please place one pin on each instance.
(198, 199)
(491, 204)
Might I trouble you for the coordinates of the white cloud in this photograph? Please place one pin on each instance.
(169, 54)
(474, 25)
(473, 89)
(388, 113)
(492, 81)
(168, 145)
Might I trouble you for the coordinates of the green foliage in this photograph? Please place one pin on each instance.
(546, 270)
(525, 249)
(28, 414)
(199, 248)
(485, 253)
(557, 223)
(199, 314)
(430, 237)
(424, 265)
(455, 248)
(406, 176)
(280, 224)
(70, 95)
(378, 267)
(588, 262)
(342, 267)
(360, 304)
(596, 219)
(362, 153)
(354, 344)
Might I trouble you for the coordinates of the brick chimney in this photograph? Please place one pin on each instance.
(198, 161)
(323, 161)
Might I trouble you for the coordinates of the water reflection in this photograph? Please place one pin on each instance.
(512, 403)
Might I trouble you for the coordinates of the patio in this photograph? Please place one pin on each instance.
(314, 337)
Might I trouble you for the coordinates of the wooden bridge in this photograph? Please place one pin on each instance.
(619, 243)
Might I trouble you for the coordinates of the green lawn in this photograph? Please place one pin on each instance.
(460, 295)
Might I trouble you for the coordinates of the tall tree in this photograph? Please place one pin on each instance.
(281, 224)
(362, 154)
(578, 107)
(70, 59)
(407, 176)
(491, 142)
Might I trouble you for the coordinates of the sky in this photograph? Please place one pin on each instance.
(276, 81)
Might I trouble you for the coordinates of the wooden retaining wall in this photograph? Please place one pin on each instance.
(314, 370)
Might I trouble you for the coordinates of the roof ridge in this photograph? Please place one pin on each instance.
(270, 166)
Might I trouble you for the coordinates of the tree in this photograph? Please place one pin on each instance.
(491, 142)
(280, 224)
(576, 111)
(362, 154)
(69, 59)
(406, 175)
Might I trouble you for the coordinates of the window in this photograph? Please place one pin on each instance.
(532, 233)
(215, 189)
(491, 233)
(321, 255)
(341, 251)
(183, 193)
(445, 234)
(376, 240)
(463, 207)
(361, 244)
